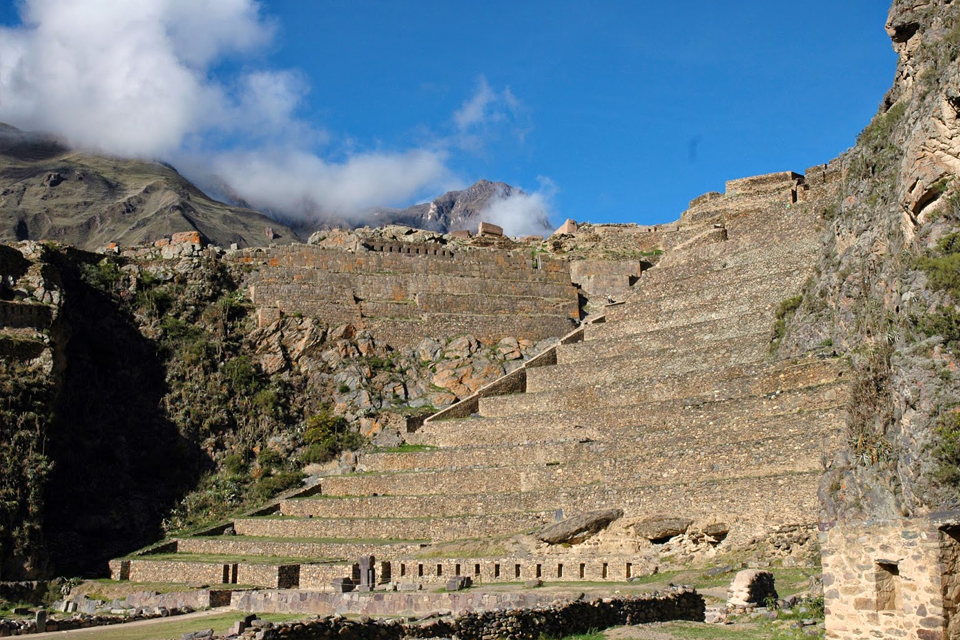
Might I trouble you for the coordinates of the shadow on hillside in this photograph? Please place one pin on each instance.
(120, 465)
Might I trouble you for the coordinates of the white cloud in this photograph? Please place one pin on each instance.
(487, 114)
(137, 79)
(130, 80)
(303, 185)
(523, 213)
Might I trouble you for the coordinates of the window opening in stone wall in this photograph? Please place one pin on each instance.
(403, 570)
(226, 574)
(583, 570)
(516, 571)
(496, 570)
(888, 586)
(559, 570)
(355, 572)
(476, 569)
(439, 570)
(603, 570)
(629, 571)
(456, 570)
(419, 570)
(386, 572)
(233, 573)
(539, 570)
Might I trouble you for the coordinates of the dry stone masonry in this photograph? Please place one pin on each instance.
(670, 413)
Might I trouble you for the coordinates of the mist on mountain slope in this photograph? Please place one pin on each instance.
(139, 83)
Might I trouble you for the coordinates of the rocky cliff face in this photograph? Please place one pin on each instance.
(886, 286)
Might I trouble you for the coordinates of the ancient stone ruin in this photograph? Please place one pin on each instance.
(671, 411)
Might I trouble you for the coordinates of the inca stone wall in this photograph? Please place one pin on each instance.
(675, 408)
(402, 292)
(893, 579)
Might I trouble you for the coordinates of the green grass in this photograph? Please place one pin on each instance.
(230, 559)
(172, 627)
(317, 540)
(766, 630)
(407, 448)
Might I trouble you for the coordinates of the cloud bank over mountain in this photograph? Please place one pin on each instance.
(148, 81)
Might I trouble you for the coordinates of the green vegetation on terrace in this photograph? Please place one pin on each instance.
(174, 627)
(216, 558)
(371, 541)
(407, 448)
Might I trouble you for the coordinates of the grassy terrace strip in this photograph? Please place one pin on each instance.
(230, 559)
(371, 541)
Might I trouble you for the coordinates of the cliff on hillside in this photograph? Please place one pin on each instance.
(51, 192)
(141, 395)
(888, 283)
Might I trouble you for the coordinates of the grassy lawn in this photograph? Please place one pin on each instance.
(172, 628)
(228, 559)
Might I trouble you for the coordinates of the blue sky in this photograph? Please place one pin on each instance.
(606, 111)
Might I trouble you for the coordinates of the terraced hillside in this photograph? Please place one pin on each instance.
(674, 407)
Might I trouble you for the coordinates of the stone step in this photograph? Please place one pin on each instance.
(622, 422)
(735, 257)
(474, 442)
(723, 383)
(306, 548)
(601, 345)
(637, 364)
(683, 305)
(611, 441)
(784, 443)
(782, 497)
(650, 310)
(404, 528)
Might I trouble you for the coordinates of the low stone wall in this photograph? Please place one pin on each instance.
(190, 572)
(239, 545)
(17, 315)
(436, 529)
(550, 614)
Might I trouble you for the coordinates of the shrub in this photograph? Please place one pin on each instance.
(270, 458)
(269, 486)
(785, 311)
(242, 375)
(235, 464)
(947, 449)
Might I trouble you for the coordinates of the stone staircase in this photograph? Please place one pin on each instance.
(674, 405)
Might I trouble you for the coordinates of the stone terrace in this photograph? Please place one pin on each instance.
(404, 291)
(674, 405)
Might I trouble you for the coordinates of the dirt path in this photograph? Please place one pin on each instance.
(95, 632)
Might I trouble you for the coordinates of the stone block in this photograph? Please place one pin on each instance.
(458, 583)
(751, 587)
(186, 237)
(568, 227)
(343, 585)
(488, 229)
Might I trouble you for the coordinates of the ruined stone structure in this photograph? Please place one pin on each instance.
(673, 407)
(898, 579)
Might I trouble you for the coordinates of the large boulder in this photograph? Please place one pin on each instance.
(660, 528)
(752, 587)
(578, 528)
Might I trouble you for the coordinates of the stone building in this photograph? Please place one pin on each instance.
(893, 579)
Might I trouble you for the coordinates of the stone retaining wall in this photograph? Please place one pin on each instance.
(681, 604)
(401, 295)
(17, 315)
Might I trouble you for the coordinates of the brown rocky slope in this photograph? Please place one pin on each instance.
(51, 192)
